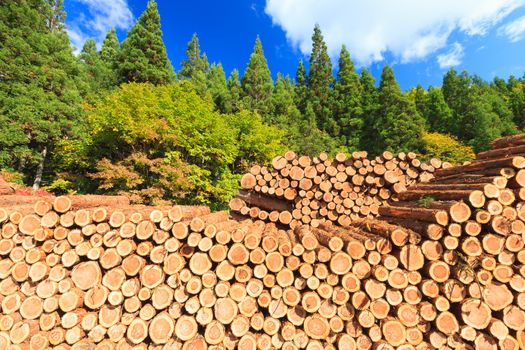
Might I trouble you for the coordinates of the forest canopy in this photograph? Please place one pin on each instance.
(120, 119)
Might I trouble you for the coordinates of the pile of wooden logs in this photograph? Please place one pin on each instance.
(442, 267)
(302, 190)
(73, 276)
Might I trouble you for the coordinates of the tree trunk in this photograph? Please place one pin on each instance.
(40, 169)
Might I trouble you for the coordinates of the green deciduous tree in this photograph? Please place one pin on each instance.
(445, 147)
(142, 128)
(516, 98)
(257, 83)
(320, 81)
(347, 109)
(143, 55)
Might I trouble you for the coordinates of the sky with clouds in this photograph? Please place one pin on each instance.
(421, 39)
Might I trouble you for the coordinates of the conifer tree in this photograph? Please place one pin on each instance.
(421, 100)
(301, 87)
(195, 62)
(320, 81)
(143, 55)
(347, 97)
(216, 84)
(283, 96)
(39, 98)
(99, 75)
(478, 113)
(399, 126)
(195, 66)
(257, 83)
(516, 96)
(109, 49)
(235, 91)
(370, 108)
(438, 113)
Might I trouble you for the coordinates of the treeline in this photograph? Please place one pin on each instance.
(119, 119)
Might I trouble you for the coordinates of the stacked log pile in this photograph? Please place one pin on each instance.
(135, 277)
(441, 267)
(471, 219)
(302, 190)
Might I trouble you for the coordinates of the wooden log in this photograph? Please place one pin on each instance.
(258, 200)
(517, 162)
(429, 215)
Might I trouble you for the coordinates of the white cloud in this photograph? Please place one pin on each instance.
(452, 57)
(514, 30)
(97, 18)
(408, 29)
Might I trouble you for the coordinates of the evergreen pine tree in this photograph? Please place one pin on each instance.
(109, 49)
(39, 98)
(370, 107)
(89, 54)
(320, 81)
(98, 74)
(235, 91)
(194, 62)
(347, 109)
(195, 66)
(257, 83)
(399, 125)
(301, 88)
(143, 55)
(283, 98)
(438, 114)
(216, 84)
(479, 115)
(420, 100)
(516, 96)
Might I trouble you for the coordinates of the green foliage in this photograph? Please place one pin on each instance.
(301, 88)
(347, 108)
(217, 87)
(399, 125)
(235, 91)
(445, 147)
(195, 66)
(143, 55)
(370, 106)
(425, 201)
(320, 81)
(283, 97)
(39, 98)
(143, 133)
(110, 47)
(100, 75)
(68, 123)
(257, 83)
(480, 114)
(438, 114)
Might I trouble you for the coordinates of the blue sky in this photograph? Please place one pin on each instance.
(421, 39)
